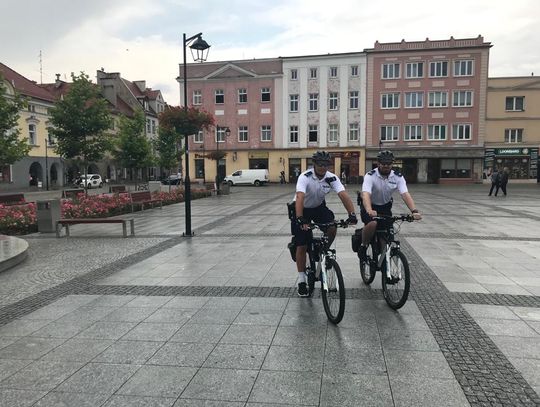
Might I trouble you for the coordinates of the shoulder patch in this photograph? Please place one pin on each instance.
(397, 173)
(372, 172)
(330, 179)
(308, 174)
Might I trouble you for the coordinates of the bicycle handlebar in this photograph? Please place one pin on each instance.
(403, 217)
(342, 223)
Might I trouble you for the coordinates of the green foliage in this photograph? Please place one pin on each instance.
(185, 121)
(80, 120)
(12, 148)
(166, 146)
(133, 150)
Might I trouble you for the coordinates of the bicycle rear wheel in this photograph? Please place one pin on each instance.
(334, 298)
(367, 268)
(396, 287)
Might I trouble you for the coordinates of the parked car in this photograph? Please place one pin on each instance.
(255, 177)
(174, 179)
(91, 181)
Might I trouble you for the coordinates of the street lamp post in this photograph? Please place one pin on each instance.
(47, 145)
(227, 132)
(199, 50)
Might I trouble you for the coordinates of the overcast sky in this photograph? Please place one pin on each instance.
(141, 39)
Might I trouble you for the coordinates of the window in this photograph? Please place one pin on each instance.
(436, 132)
(293, 134)
(353, 131)
(153, 127)
(220, 135)
(242, 95)
(265, 94)
(414, 99)
(414, 70)
(513, 135)
(515, 103)
(461, 132)
(313, 102)
(148, 126)
(197, 97)
(333, 133)
(243, 134)
(389, 133)
(294, 74)
(266, 133)
(333, 101)
(220, 96)
(462, 98)
(456, 168)
(333, 72)
(413, 132)
(354, 70)
(463, 67)
(313, 133)
(312, 73)
(390, 71)
(353, 99)
(199, 137)
(438, 99)
(32, 136)
(438, 69)
(390, 101)
(293, 103)
(31, 108)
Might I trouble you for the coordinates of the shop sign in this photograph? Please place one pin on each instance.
(512, 151)
(346, 154)
(259, 154)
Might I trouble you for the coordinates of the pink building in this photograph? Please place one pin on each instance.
(243, 96)
(427, 103)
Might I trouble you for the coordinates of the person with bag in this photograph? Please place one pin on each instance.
(495, 181)
(310, 205)
(503, 181)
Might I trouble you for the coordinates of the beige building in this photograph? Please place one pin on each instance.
(513, 127)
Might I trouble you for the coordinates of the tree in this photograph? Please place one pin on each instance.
(133, 150)
(166, 145)
(79, 122)
(12, 148)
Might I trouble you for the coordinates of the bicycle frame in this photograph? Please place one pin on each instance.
(385, 243)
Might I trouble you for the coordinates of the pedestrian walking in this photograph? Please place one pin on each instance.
(495, 181)
(503, 180)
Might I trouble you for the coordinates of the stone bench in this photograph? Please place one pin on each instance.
(67, 222)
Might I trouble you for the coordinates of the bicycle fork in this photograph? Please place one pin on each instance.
(386, 256)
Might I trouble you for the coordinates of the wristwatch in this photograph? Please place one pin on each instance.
(414, 210)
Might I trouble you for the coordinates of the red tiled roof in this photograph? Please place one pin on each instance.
(123, 107)
(133, 88)
(152, 94)
(57, 89)
(25, 86)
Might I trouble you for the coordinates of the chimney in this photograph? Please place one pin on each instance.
(57, 82)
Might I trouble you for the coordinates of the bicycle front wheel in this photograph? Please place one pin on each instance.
(396, 286)
(334, 298)
(367, 268)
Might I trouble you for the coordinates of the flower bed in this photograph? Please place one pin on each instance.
(21, 220)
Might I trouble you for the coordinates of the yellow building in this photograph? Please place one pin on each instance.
(513, 127)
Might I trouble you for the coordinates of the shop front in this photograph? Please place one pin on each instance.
(522, 162)
(258, 160)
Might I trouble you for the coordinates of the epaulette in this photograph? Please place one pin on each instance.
(330, 180)
(399, 174)
(308, 174)
(371, 172)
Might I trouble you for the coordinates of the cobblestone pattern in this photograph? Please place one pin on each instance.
(498, 299)
(486, 376)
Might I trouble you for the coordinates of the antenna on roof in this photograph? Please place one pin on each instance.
(40, 69)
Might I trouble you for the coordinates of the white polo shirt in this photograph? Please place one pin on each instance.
(381, 188)
(315, 189)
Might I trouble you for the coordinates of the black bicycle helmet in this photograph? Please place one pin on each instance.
(385, 156)
(321, 157)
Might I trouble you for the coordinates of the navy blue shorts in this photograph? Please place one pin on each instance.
(320, 214)
(385, 209)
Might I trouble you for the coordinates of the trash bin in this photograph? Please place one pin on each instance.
(48, 213)
(154, 186)
(224, 188)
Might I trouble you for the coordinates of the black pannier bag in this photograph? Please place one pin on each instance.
(356, 240)
(292, 248)
(291, 210)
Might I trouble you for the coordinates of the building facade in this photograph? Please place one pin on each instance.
(427, 103)
(245, 97)
(42, 166)
(324, 107)
(513, 127)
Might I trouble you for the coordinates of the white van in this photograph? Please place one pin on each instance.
(255, 177)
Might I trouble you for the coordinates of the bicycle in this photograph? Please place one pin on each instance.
(322, 266)
(384, 254)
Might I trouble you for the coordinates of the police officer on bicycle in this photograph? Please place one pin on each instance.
(377, 189)
(310, 205)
